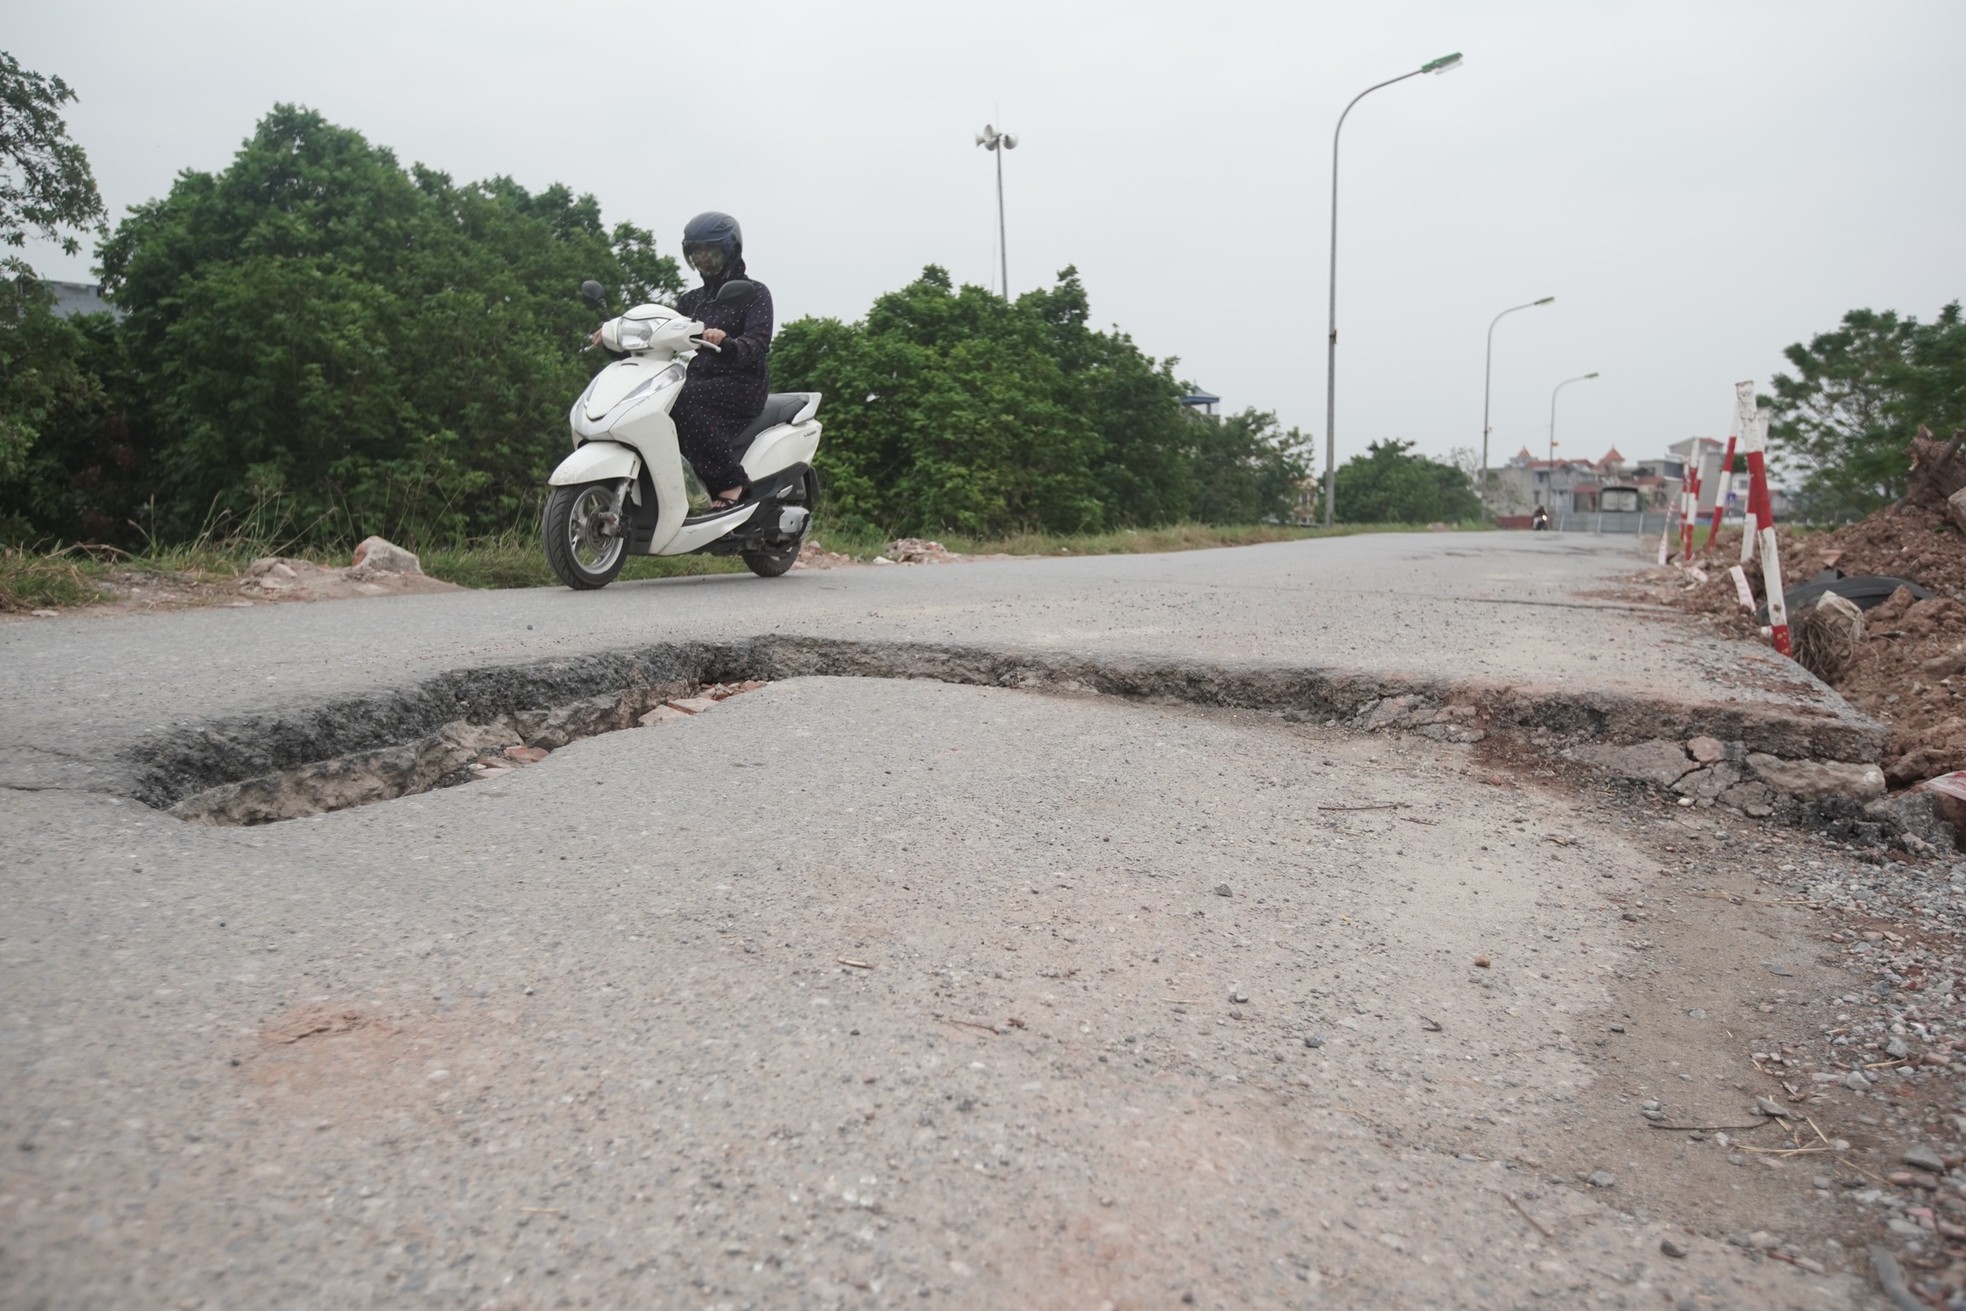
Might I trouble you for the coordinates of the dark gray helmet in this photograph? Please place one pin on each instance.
(712, 231)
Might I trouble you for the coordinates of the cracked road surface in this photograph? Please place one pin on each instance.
(850, 992)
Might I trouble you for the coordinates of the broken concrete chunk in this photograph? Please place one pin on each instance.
(1946, 665)
(1956, 509)
(692, 705)
(1657, 761)
(1915, 815)
(377, 555)
(1707, 750)
(1395, 711)
(271, 571)
(1708, 784)
(661, 714)
(583, 718)
(1814, 780)
(1750, 798)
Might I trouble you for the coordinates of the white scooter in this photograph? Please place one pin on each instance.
(624, 490)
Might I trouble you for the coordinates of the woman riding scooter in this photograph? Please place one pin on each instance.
(724, 391)
(726, 388)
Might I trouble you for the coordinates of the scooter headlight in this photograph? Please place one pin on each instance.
(662, 379)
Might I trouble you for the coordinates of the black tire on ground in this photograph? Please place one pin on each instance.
(581, 556)
(1867, 590)
(772, 563)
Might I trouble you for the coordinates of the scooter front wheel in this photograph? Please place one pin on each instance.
(582, 543)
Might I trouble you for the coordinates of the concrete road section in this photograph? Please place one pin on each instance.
(1524, 627)
(952, 984)
(854, 993)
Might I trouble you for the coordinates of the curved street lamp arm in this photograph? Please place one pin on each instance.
(1334, 187)
(1331, 329)
(1582, 377)
(1441, 65)
(1487, 374)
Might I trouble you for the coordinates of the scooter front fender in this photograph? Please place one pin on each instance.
(593, 462)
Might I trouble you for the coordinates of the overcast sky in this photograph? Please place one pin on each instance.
(1698, 184)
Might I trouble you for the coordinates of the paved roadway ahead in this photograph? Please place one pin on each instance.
(1492, 612)
(859, 992)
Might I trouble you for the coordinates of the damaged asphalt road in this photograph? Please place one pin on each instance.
(861, 990)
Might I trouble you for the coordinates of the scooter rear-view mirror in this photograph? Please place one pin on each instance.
(736, 292)
(590, 291)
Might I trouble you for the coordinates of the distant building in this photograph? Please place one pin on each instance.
(1574, 486)
(1560, 486)
(1202, 401)
(72, 298)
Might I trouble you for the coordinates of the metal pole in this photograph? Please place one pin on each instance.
(1553, 391)
(1487, 373)
(1331, 337)
(1002, 250)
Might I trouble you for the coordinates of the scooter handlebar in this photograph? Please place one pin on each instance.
(707, 345)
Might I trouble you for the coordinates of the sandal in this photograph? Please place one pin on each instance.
(721, 503)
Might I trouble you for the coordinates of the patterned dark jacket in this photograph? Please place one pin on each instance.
(733, 385)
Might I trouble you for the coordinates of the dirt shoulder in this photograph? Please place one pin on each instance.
(1783, 1063)
(1904, 664)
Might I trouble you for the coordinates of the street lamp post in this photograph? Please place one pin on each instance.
(996, 143)
(1487, 373)
(1582, 377)
(1441, 65)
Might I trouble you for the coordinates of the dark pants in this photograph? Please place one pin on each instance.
(710, 415)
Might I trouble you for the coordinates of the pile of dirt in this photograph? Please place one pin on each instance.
(1908, 667)
(814, 556)
(920, 550)
(281, 578)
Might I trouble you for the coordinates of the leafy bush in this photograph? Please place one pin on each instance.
(1388, 484)
(955, 411)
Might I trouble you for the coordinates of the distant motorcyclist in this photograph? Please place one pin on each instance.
(1539, 520)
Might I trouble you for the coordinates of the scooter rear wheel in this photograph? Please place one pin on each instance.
(583, 555)
(772, 563)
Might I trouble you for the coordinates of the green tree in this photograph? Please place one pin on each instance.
(47, 191)
(953, 410)
(46, 188)
(1389, 484)
(1844, 419)
(381, 349)
(1245, 468)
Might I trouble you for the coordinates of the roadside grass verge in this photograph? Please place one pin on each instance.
(32, 580)
(59, 577)
(1172, 537)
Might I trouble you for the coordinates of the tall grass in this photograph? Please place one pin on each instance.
(35, 580)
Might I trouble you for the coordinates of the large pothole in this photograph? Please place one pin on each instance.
(354, 750)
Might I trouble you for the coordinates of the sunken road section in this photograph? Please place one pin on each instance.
(352, 750)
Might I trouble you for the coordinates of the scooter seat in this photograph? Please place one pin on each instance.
(779, 408)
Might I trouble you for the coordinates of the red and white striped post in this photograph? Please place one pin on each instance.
(1689, 505)
(1720, 493)
(1665, 532)
(1771, 579)
(1761, 506)
(1745, 410)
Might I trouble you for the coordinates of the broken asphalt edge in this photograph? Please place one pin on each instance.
(165, 767)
